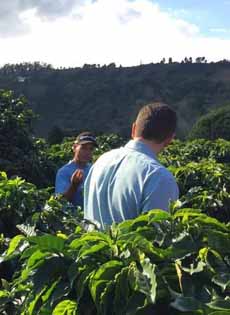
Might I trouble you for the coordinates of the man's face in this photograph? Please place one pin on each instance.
(83, 153)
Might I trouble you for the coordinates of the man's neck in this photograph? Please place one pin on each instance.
(155, 147)
(80, 163)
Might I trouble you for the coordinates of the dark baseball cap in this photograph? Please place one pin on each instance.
(86, 137)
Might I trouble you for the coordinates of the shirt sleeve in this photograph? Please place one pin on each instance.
(159, 190)
(62, 182)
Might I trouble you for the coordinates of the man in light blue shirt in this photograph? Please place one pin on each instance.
(70, 177)
(128, 181)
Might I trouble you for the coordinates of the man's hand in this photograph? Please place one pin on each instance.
(76, 180)
(77, 177)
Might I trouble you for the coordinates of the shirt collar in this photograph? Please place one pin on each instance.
(72, 162)
(140, 146)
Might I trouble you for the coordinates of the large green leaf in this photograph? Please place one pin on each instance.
(91, 237)
(223, 280)
(90, 250)
(122, 292)
(219, 313)
(14, 243)
(49, 271)
(186, 304)
(36, 258)
(83, 279)
(218, 240)
(32, 305)
(48, 242)
(66, 307)
(220, 304)
(105, 273)
(212, 223)
(29, 251)
(4, 296)
(149, 271)
(145, 281)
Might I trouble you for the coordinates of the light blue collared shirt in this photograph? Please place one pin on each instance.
(125, 182)
(63, 181)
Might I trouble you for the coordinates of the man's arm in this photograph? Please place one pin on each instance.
(159, 191)
(68, 187)
(76, 180)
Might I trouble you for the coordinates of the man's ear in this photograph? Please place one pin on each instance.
(169, 140)
(133, 134)
(74, 147)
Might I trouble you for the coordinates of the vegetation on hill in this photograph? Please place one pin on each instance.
(214, 125)
(106, 99)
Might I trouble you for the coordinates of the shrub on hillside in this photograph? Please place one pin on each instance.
(213, 125)
(21, 153)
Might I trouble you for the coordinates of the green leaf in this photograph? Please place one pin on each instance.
(222, 279)
(144, 282)
(185, 304)
(149, 271)
(122, 292)
(4, 297)
(66, 307)
(92, 250)
(35, 258)
(32, 305)
(211, 223)
(49, 243)
(4, 294)
(158, 216)
(91, 237)
(136, 301)
(46, 296)
(82, 281)
(29, 251)
(219, 313)
(194, 269)
(14, 244)
(5, 284)
(49, 271)
(105, 273)
(219, 241)
(220, 304)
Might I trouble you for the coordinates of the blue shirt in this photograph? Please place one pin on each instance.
(126, 182)
(63, 181)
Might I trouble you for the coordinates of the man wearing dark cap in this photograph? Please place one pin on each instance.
(70, 177)
(125, 182)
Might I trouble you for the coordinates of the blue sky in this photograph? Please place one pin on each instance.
(212, 17)
(68, 33)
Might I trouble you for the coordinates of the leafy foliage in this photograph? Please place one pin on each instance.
(18, 201)
(180, 153)
(159, 263)
(213, 125)
(21, 154)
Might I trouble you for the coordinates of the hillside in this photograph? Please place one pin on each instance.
(106, 99)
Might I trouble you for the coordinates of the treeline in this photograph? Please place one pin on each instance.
(38, 66)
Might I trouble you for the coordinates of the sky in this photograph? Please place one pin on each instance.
(71, 33)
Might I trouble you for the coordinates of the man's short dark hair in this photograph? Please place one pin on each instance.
(156, 121)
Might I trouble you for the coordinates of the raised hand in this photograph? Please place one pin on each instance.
(77, 177)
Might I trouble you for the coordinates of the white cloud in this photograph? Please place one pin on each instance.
(104, 31)
(219, 30)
